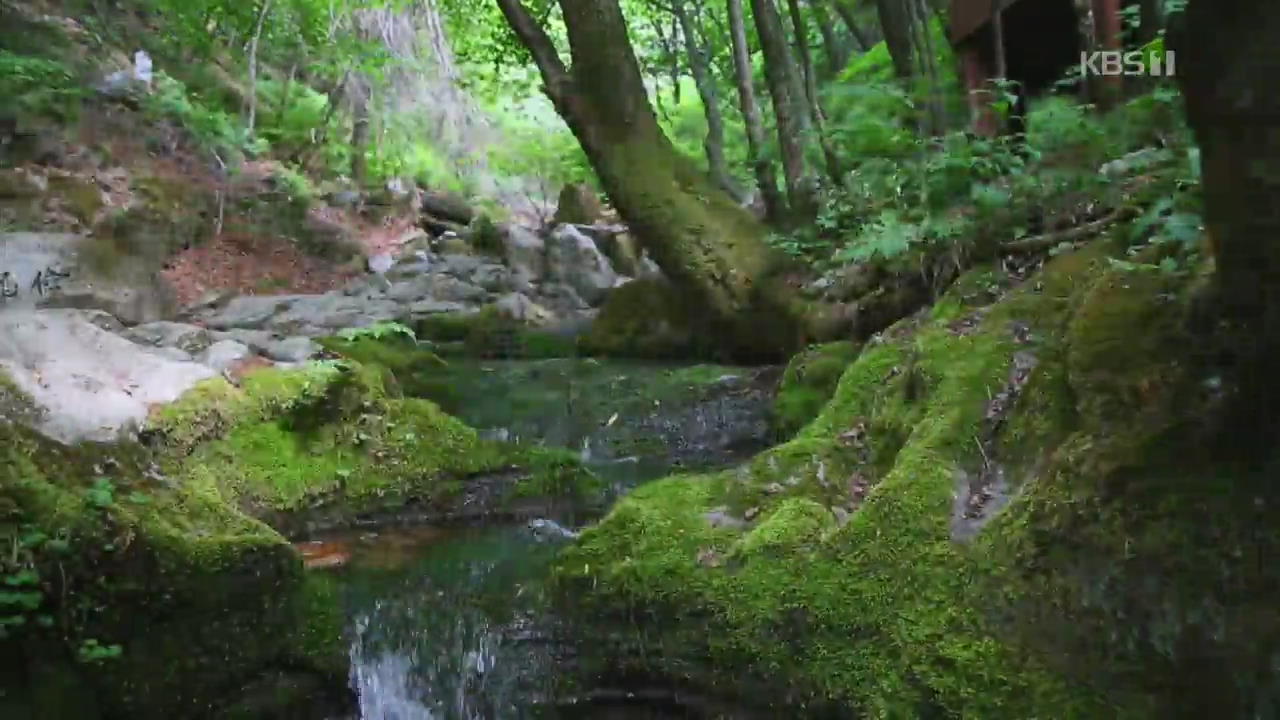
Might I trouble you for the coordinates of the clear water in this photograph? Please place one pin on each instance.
(454, 624)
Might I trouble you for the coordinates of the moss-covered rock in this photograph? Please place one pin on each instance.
(646, 318)
(147, 598)
(807, 384)
(326, 444)
(1100, 589)
(491, 334)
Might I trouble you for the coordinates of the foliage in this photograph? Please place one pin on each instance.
(212, 128)
(39, 86)
(379, 331)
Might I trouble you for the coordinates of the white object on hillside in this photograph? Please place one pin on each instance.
(142, 67)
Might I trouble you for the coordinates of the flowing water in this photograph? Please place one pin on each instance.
(454, 623)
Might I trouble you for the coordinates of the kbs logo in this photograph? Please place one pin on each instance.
(1136, 62)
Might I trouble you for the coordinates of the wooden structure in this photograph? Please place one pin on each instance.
(1032, 43)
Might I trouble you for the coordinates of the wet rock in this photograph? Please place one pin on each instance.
(574, 259)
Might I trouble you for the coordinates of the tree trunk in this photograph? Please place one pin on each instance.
(1227, 65)
(766, 177)
(253, 67)
(837, 54)
(801, 31)
(788, 107)
(1151, 20)
(713, 250)
(713, 144)
(935, 106)
(845, 11)
(895, 20)
(360, 137)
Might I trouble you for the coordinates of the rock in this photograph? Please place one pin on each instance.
(223, 354)
(291, 350)
(89, 384)
(574, 259)
(382, 262)
(303, 315)
(447, 206)
(578, 205)
(22, 183)
(525, 252)
(519, 307)
(563, 299)
(544, 529)
(189, 339)
(494, 278)
(436, 307)
(459, 266)
(80, 195)
(436, 287)
(451, 244)
(720, 518)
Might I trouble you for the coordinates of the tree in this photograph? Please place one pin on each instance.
(789, 109)
(713, 250)
(895, 21)
(1227, 65)
(801, 30)
(700, 68)
(766, 177)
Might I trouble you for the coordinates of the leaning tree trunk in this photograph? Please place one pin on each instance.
(699, 66)
(766, 178)
(788, 107)
(837, 54)
(713, 250)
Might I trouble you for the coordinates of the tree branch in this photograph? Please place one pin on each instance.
(555, 76)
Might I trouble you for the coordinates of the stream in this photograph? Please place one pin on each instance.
(454, 623)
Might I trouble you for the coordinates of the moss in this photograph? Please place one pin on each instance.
(646, 318)
(119, 548)
(808, 383)
(879, 613)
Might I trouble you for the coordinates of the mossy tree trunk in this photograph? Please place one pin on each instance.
(713, 250)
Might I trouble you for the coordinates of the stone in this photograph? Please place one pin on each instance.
(525, 252)
(89, 384)
(223, 354)
(22, 183)
(493, 278)
(518, 307)
(578, 205)
(447, 206)
(574, 259)
(451, 244)
(190, 339)
(459, 266)
(720, 518)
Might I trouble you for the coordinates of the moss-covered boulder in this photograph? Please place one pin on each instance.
(128, 594)
(646, 318)
(807, 384)
(1010, 507)
(490, 333)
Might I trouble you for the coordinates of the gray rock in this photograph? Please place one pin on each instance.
(436, 307)
(563, 299)
(22, 183)
(459, 266)
(223, 354)
(89, 384)
(720, 518)
(494, 278)
(519, 307)
(574, 259)
(525, 252)
(190, 339)
(292, 349)
(306, 315)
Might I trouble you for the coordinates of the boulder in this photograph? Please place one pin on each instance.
(224, 354)
(190, 339)
(447, 206)
(21, 183)
(86, 383)
(578, 205)
(574, 259)
(525, 252)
